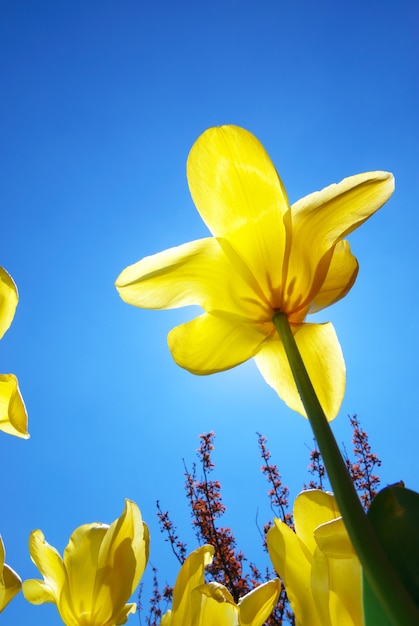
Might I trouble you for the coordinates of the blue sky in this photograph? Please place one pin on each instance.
(101, 102)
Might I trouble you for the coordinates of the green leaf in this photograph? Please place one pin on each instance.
(394, 515)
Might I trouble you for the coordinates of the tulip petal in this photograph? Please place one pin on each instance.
(240, 197)
(81, 564)
(323, 218)
(210, 344)
(10, 582)
(13, 416)
(256, 606)
(128, 609)
(198, 272)
(334, 564)
(122, 559)
(38, 591)
(312, 508)
(191, 575)
(49, 563)
(322, 356)
(292, 562)
(216, 606)
(8, 300)
(340, 277)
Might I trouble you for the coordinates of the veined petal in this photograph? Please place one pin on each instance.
(13, 416)
(323, 218)
(210, 344)
(8, 300)
(240, 197)
(191, 575)
(49, 563)
(340, 277)
(292, 561)
(256, 606)
(323, 359)
(81, 564)
(312, 508)
(198, 272)
(123, 555)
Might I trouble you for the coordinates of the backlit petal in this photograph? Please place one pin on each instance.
(81, 563)
(191, 575)
(13, 416)
(311, 509)
(122, 559)
(10, 582)
(49, 563)
(323, 218)
(340, 277)
(216, 606)
(210, 344)
(256, 606)
(8, 300)
(38, 591)
(322, 356)
(128, 609)
(292, 561)
(198, 272)
(240, 197)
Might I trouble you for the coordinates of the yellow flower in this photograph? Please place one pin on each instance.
(319, 567)
(13, 416)
(10, 583)
(265, 256)
(102, 566)
(198, 604)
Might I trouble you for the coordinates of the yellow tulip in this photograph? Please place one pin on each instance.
(102, 566)
(319, 567)
(13, 416)
(10, 583)
(198, 604)
(265, 256)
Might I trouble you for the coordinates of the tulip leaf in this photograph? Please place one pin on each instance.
(394, 515)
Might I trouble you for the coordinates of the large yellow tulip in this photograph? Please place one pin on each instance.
(102, 566)
(13, 416)
(319, 567)
(265, 256)
(198, 604)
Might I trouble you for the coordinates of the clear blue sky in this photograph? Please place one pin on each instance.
(101, 102)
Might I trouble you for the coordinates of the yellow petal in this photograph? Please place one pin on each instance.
(81, 564)
(240, 197)
(10, 582)
(8, 300)
(340, 277)
(128, 609)
(200, 273)
(322, 356)
(122, 559)
(292, 561)
(256, 606)
(216, 606)
(336, 575)
(13, 416)
(38, 591)
(312, 508)
(191, 575)
(49, 563)
(210, 344)
(323, 218)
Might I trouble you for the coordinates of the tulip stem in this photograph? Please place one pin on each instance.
(389, 590)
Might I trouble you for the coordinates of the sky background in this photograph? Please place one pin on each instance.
(101, 102)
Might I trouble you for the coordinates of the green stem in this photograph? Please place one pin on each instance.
(390, 592)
